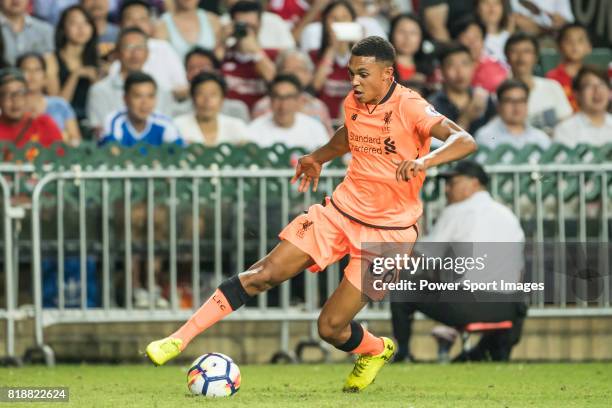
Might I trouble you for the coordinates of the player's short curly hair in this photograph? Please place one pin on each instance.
(377, 47)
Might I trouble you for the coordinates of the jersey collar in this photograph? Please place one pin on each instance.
(384, 99)
(389, 93)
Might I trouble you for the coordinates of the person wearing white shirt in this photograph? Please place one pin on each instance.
(207, 125)
(548, 104)
(537, 16)
(200, 60)
(106, 96)
(163, 63)
(275, 33)
(472, 216)
(592, 124)
(510, 126)
(495, 16)
(285, 124)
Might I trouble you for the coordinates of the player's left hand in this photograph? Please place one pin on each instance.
(408, 169)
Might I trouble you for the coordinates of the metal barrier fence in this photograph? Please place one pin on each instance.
(246, 209)
(10, 313)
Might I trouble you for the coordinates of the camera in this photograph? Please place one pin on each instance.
(241, 30)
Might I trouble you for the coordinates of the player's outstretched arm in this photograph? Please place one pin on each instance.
(457, 144)
(309, 166)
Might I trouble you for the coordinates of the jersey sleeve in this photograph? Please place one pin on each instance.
(421, 116)
(108, 134)
(171, 135)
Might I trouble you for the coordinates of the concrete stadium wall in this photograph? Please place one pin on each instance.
(544, 339)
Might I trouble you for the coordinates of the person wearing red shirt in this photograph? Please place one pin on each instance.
(331, 80)
(413, 64)
(490, 72)
(574, 44)
(291, 11)
(16, 124)
(246, 66)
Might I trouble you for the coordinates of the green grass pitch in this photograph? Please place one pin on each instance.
(420, 385)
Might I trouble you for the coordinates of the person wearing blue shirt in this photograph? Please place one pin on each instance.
(138, 122)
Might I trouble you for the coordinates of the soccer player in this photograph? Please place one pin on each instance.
(388, 130)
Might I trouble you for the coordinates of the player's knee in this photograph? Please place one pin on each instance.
(255, 282)
(329, 328)
(260, 278)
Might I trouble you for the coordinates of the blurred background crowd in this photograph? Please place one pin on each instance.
(512, 72)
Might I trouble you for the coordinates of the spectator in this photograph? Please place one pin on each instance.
(74, 66)
(33, 67)
(107, 32)
(200, 60)
(383, 11)
(407, 36)
(547, 102)
(438, 14)
(489, 72)
(21, 32)
(17, 124)
(188, 26)
(292, 11)
(313, 34)
(106, 96)
(470, 107)
(285, 124)
(541, 16)
(207, 125)
(574, 43)
(495, 16)
(419, 87)
(298, 63)
(246, 65)
(163, 63)
(51, 10)
(331, 81)
(273, 34)
(592, 124)
(468, 199)
(310, 17)
(366, 11)
(511, 126)
(138, 122)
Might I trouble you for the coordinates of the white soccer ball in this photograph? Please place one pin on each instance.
(214, 375)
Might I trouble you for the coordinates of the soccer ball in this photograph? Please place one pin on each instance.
(214, 375)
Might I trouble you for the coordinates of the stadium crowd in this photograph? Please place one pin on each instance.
(189, 71)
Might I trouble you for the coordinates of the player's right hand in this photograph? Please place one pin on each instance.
(310, 170)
